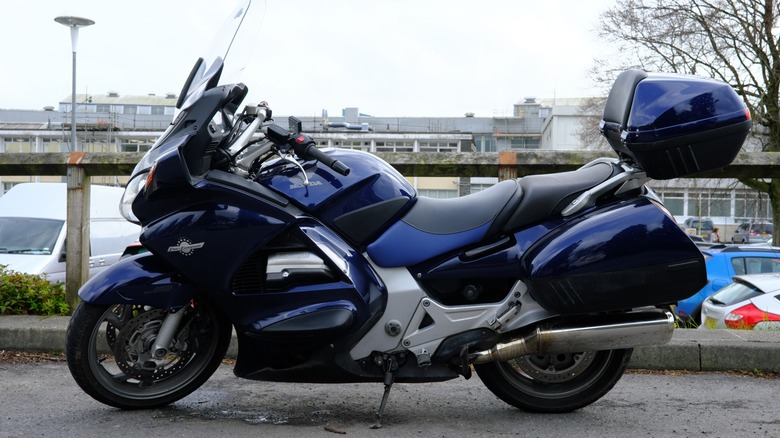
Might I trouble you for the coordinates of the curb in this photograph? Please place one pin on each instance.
(713, 350)
(689, 349)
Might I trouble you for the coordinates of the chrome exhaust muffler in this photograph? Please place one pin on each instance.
(626, 330)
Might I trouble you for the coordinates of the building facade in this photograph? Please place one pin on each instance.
(114, 123)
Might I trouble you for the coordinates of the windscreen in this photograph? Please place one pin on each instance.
(220, 57)
(29, 236)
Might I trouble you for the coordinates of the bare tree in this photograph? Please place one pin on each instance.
(589, 112)
(736, 41)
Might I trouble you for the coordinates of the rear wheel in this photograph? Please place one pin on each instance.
(557, 382)
(109, 353)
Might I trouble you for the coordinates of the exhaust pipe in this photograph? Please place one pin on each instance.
(612, 332)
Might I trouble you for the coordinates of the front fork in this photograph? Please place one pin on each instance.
(166, 333)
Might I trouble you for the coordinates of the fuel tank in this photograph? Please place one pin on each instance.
(360, 206)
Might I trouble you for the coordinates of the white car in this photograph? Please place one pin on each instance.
(32, 229)
(751, 302)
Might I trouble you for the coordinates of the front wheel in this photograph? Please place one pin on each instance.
(555, 383)
(109, 353)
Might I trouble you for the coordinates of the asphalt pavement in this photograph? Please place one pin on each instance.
(689, 349)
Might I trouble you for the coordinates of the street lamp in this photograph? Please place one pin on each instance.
(74, 23)
(78, 184)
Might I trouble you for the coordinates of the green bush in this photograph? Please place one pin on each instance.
(26, 294)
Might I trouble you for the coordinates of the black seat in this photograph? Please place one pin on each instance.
(547, 195)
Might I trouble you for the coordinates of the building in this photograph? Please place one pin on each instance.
(114, 123)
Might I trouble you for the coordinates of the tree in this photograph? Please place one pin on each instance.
(736, 41)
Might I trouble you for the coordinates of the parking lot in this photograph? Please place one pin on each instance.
(41, 399)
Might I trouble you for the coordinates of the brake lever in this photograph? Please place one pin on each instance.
(286, 156)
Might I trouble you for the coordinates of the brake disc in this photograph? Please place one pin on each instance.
(554, 368)
(133, 349)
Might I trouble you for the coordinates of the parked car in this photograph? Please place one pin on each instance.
(753, 232)
(751, 302)
(32, 229)
(723, 263)
(703, 226)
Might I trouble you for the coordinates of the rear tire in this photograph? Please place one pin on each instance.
(555, 383)
(108, 353)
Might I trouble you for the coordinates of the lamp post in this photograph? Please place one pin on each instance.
(74, 23)
(78, 182)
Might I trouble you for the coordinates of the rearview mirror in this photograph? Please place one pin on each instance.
(295, 125)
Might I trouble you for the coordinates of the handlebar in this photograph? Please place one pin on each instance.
(305, 147)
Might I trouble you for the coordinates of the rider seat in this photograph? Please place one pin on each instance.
(436, 226)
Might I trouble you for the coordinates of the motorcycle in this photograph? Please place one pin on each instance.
(330, 268)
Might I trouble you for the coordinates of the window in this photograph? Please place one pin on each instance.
(751, 205)
(29, 236)
(438, 146)
(19, 144)
(524, 142)
(53, 145)
(103, 108)
(720, 204)
(7, 186)
(698, 204)
(480, 187)
(158, 110)
(144, 109)
(136, 145)
(130, 109)
(438, 193)
(755, 265)
(485, 143)
(394, 146)
(674, 202)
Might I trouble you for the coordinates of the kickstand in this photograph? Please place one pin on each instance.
(391, 367)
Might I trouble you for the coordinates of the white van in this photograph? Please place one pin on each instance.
(32, 229)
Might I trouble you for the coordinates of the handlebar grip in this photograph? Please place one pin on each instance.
(340, 167)
(310, 150)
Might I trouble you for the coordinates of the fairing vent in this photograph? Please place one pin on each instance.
(251, 275)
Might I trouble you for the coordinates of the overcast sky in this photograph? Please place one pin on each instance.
(388, 58)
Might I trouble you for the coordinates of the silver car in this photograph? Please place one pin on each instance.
(751, 302)
(753, 232)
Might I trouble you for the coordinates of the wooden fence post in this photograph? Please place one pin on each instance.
(77, 232)
(507, 165)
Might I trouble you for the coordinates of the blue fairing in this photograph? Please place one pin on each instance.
(370, 180)
(404, 245)
(140, 279)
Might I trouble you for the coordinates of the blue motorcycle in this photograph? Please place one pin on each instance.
(330, 267)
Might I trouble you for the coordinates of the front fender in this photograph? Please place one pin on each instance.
(140, 279)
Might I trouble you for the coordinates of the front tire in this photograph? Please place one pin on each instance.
(108, 351)
(555, 383)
